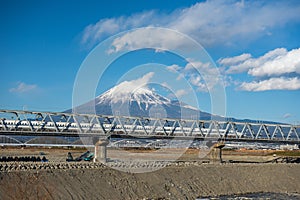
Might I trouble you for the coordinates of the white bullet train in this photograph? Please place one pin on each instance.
(49, 126)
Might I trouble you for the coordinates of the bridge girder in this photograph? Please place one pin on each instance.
(14, 122)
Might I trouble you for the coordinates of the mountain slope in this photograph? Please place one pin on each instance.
(126, 100)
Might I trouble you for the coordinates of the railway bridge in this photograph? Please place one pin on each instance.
(35, 123)
(94, 130)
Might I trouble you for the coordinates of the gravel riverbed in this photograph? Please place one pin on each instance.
(187, 180)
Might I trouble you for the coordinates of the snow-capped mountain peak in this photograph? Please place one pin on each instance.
(135, 98)
(126, 92)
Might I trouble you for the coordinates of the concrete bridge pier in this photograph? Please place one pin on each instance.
(100, 154)
(216, 152)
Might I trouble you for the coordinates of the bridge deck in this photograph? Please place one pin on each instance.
(30, 123)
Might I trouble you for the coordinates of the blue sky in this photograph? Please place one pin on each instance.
(254, 45)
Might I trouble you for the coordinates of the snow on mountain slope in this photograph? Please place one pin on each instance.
(122, 94)
(129, 99)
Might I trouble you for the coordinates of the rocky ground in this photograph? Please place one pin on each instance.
(139, 179)
(183, 181)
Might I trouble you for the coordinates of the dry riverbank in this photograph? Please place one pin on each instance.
(172, 182)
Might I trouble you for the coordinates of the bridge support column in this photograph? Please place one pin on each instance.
(100, 154)
(216, 153)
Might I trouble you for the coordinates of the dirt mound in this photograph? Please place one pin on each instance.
(171, 182)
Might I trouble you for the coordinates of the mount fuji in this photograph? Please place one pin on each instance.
(127, 99)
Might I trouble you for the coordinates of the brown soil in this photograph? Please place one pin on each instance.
(60, 154)
(172, 182)
(186, 181)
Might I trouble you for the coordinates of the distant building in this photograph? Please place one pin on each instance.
(289, 147)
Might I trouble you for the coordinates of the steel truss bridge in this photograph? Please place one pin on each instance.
(30, 123)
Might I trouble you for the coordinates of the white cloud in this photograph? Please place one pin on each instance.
(23, 88)
(166, 85)
(250, 63)
(130, 86)
(288, 62)
(280, 83)
(143, 80)
(197, 81)
(109, 26)
(174, 68)
(287, 115)
(198, 65)
(234, 60)
(207, 70)
(210, 22)
(180, 93)
(204, 76)
(275, 70)
(274, 63)
(159, 39)
(180, 76)
(201, 75)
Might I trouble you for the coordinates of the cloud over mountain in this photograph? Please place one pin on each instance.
(135, 98)
(209, 22)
